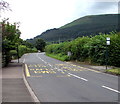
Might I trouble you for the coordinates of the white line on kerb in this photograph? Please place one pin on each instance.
(110, 89)
(78, 77)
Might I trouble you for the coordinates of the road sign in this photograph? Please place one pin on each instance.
(108, 41)
(69, 53)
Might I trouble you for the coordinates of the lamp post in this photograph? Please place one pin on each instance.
(107, 44)
(18, 53)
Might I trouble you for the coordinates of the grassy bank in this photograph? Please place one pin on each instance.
(114, 71)
(59, 56)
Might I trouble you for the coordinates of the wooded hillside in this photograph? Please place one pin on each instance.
(85, 26)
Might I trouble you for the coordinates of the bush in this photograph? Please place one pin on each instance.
(24, 49)
(90, 48)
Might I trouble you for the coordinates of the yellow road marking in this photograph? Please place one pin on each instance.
(63, 76)
(36, 76)
(47, 71)
(35, 65)
(35, 71)
(62, 72)
(32, 69)
(27, 71)
(93, 70)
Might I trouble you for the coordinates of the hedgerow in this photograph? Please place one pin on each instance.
(90, 48)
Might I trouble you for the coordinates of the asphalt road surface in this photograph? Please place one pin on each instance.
(56, 81)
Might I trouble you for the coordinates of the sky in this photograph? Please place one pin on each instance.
(37, 16)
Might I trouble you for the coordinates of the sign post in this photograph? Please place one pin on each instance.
(107, 44)
(69, 54)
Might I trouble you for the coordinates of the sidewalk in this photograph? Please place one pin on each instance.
(13, 87)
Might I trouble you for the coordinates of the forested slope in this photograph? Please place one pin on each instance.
(85, 26)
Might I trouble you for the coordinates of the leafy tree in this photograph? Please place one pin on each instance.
(40, 44)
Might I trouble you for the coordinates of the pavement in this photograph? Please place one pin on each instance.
(14, 90)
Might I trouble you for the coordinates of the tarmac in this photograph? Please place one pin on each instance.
(14, 90)
(100, 68)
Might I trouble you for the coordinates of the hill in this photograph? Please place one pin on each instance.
(85, 26)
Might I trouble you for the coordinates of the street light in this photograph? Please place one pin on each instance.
(107, 44)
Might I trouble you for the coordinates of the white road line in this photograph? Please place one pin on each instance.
(110, 89)
(78, 77)
(50, 65)
(44, 61)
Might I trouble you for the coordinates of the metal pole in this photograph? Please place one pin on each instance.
(106, 56)
(107, 44)
(18, 53)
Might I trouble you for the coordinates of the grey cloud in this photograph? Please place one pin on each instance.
(103, 6)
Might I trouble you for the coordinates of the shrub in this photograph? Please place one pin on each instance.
(92, 48)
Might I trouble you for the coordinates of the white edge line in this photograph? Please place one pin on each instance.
(30, 89)
(78, 77)
(110, 89)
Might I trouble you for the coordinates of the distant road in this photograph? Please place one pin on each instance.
(56, 81)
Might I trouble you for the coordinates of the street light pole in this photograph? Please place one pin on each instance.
(107, 44)
(18, 53)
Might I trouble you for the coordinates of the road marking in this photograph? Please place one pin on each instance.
(93, 70)
(78, 77)
(85, 68)
(27, 71)
(37, 76)
(110, 89)
(32, 69)
(50, 65)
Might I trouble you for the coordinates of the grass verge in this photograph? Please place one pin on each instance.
(114, 71)
(59, 56)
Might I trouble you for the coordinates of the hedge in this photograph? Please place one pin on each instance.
(90, 48)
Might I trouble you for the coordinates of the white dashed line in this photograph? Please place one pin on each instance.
(78, 77)
(110, 89)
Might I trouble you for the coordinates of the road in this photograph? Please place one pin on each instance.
(56, 81)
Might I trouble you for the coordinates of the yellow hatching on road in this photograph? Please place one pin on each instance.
(27, 71)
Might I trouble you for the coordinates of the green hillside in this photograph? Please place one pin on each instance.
(85, 26)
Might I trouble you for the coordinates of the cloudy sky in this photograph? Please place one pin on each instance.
(36, 16)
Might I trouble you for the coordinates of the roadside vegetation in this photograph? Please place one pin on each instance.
(115, 71)
(13, 46)
(91, 49)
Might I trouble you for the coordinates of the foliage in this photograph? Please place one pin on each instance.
(59, 56)
(90, 48)
(24, 49)
(114, 71)
(12, 45)
(40, 44)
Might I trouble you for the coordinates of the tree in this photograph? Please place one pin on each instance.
(40, 44)
(10, 40)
